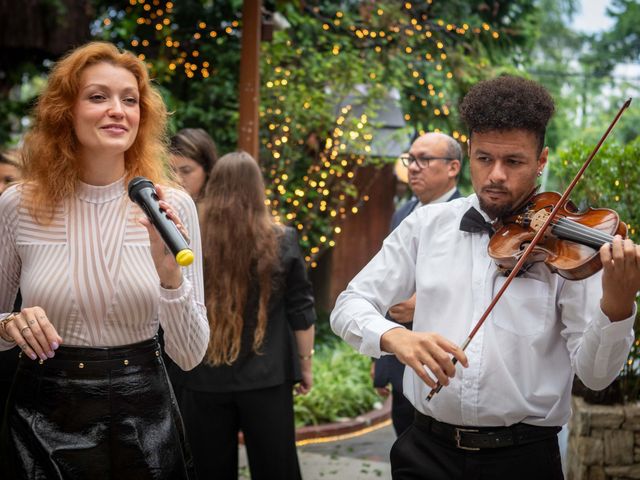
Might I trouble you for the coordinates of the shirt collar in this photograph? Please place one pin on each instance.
(100, 193)
(440, 199)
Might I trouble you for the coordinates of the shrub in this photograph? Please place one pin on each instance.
(342, 386)
(611, 181)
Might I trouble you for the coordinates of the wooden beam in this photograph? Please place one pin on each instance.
(250, 78)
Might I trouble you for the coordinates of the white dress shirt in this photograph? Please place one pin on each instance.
(521, 362)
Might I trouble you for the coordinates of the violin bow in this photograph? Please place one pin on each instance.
(538, 236)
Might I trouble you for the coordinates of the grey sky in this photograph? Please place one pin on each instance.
(592, 17)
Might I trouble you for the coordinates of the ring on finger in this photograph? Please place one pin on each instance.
(26, 327)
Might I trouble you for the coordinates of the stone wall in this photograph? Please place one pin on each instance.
(604, 442)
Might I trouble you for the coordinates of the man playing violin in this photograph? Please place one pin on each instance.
(502, 405)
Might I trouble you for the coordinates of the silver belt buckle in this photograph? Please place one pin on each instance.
(458, 438)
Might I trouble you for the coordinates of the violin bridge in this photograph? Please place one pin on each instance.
(538, 218)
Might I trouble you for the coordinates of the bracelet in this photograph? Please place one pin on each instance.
(307, 357)
(3, 327)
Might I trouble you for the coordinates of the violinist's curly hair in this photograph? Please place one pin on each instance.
(50, 151)
(507, 103)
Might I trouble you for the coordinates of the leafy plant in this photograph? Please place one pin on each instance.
(612, 181)
(341, 384)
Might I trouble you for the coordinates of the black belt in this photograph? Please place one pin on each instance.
(100, 359)
(476, 438)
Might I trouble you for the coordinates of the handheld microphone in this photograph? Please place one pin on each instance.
(143, 192)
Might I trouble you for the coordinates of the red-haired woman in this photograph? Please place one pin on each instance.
(261, 317)
(90, 398)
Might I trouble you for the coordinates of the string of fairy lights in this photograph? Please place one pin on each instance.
(326, 189)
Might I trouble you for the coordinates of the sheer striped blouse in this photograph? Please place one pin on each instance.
(91, 270)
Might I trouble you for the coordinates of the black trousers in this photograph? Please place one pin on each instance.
(265, 416)
(418, 455)
(402, 412)
(94, 413)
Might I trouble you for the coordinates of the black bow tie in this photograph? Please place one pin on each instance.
(473, 222)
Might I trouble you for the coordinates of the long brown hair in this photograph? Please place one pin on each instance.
(240, 243)
(50, 148)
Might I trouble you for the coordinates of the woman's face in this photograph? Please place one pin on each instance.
(8, 175)
(192, 175)
(106, 114)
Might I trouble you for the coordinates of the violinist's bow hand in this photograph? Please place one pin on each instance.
(424, 352)
(620, 277)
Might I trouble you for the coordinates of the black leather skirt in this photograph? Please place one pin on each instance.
(94, 413)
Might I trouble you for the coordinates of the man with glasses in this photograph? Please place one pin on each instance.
(433, 162)
(504, 402)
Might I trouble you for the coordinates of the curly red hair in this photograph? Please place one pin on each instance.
(50, 148)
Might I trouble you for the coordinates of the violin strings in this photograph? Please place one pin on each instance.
(581, 232)
(589, 232)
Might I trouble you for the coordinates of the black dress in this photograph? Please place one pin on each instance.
(254, 394)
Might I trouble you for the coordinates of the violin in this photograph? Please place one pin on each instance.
(570, 245)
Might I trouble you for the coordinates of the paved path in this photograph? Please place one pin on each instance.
(360, 457)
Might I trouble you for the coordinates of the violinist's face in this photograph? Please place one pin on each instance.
(504, 167)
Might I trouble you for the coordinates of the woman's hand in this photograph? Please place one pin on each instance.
(164, 261)
(306, 383)
(34, 333)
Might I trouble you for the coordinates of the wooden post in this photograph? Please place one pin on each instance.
(250, 78)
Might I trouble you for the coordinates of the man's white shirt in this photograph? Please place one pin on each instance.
(522, 361)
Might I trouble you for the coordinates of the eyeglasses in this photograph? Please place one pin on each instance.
(422, 162)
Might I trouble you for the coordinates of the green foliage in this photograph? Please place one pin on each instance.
(342, 386)
(193, 58)
(312, 150)
(611, 181)
(428, 52)
(622, 42)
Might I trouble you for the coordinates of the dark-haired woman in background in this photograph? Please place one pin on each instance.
(10, 171)
(261, 318)
(193, 155)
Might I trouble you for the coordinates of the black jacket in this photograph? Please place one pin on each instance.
(290, 308)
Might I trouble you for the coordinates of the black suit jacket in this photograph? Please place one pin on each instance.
(291, 307)
(388, 367)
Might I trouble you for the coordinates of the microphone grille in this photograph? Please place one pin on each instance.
(136, 184)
